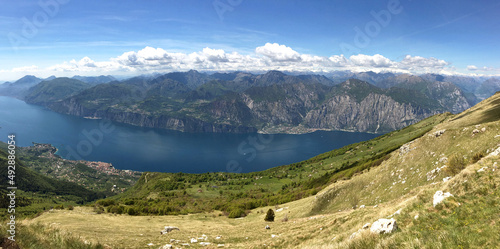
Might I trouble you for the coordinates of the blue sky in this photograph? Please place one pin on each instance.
(69, 37)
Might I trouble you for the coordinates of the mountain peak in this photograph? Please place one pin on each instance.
(275, 73)
(355, 83)
(408, 78)
(27, 80)
(192, 71)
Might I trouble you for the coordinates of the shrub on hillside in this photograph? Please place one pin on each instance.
(116, 209)
(236, 213)
(105, 203)
(269, 215)
(456, 163)
(98, 209)
(477, 157)
(129, 202)
(132, 211)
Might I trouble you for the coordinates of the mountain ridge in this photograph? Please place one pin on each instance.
(269, 103)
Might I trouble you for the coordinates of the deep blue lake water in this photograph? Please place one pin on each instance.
(147, 149)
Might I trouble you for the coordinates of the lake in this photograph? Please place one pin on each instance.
(148, 149)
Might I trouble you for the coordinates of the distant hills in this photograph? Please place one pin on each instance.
(272, 102)
(54, 90)
(19, 88)
(488, 86)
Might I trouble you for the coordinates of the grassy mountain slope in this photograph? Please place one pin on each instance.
(401, 186)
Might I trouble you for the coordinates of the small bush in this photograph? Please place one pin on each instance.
(70, 207)
(477, 157)
(98, 209)
(59, 206)
(132, 211)
(456, 163)
(106, 202)
(129, 202)
(236, 213)
(269, 215)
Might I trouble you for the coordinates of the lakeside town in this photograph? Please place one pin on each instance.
(94, 175)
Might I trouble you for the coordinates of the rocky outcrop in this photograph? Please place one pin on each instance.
(384, 226)
(375, 113)
(439, 197)
(284, 104)
(188, 124)
(449, 96)
(169, 229)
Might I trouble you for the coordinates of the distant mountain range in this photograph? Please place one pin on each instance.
(471, 86)
(272, 102)
(20, 87)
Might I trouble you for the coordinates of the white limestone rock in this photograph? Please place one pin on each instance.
(384, 226)
(439, 196)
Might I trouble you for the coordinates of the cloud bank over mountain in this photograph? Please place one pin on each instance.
(271, 56)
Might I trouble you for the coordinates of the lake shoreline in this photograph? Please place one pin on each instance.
(159, 150)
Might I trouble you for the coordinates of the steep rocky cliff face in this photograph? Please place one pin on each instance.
(188, 124)
(284, 104)
(375, 113)
(354, 105)
(449, 96)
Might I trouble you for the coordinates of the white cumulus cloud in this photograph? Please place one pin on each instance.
(371, 60)
(471, 68)
(419, 64)
(277, 52)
